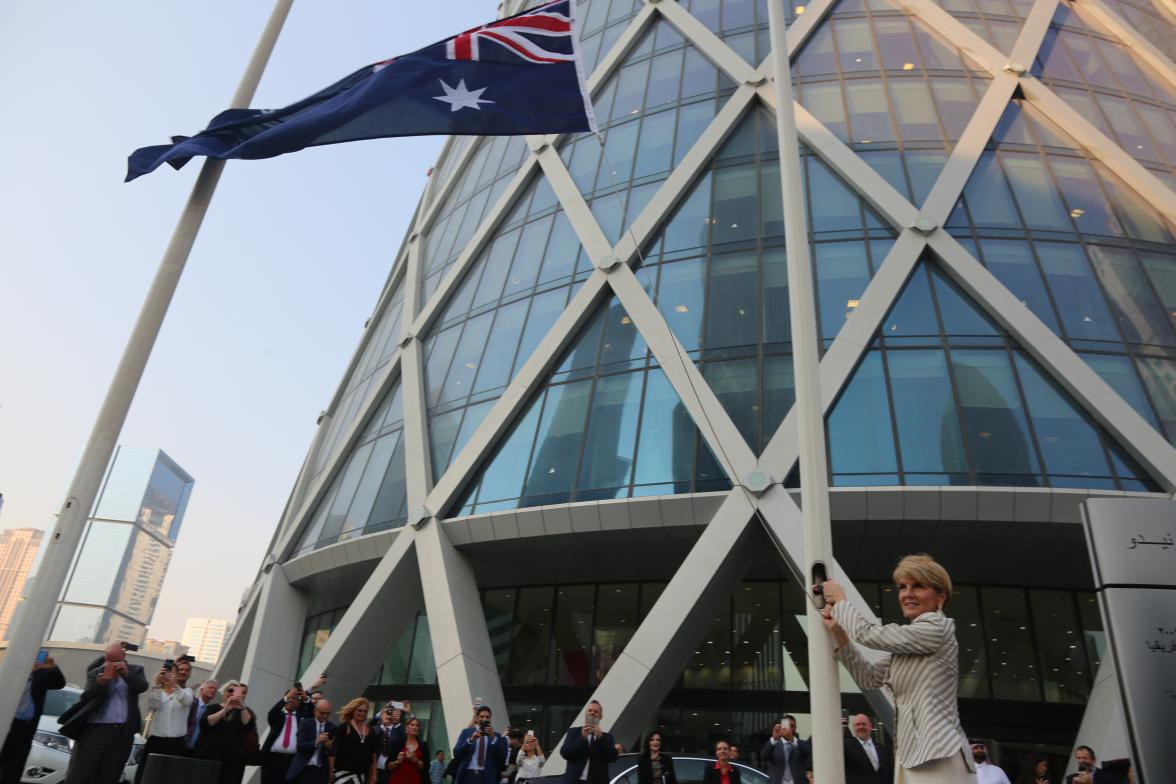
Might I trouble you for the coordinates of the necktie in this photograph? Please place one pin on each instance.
(871, 752)
(482, 752)
(286, 732)
(787, 757)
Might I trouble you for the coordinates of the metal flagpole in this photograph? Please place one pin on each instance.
(32, 624)
(824, 688)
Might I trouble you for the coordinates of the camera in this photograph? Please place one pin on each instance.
(483, 725)
(169, 665)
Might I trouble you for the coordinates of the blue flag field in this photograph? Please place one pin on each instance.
(519, 75)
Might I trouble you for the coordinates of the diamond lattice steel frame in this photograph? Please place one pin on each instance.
(421, 554)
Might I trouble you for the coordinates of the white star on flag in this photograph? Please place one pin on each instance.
(460, 97)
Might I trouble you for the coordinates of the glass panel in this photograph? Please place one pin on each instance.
(1083, 309)
(531, 636)
(860, 438)
(665, 451)
(994, 421)
(616, 620)
(1068, 441)
(1159, 376)
(557, 446)
(1007, 624)
(928, 425)
(1065, 672)
(611, 435)
(571, 645)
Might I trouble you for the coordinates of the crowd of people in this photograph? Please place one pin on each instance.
(306, 742)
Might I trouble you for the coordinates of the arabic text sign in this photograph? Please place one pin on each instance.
(1133, 550)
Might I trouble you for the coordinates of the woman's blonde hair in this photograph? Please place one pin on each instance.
(349, 709)
(922, 568)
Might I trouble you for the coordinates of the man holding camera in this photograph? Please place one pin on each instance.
(281, 742)
(169, 700)
(312, 764)
(480, 752)
(104, 720)
(588, 749)
(44, 677)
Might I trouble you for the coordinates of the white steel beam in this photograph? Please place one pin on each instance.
(712, 420)
(462, 650)
(384, 607)
(714, 48)
(271, 663)
(1120, 28)
(661, 646)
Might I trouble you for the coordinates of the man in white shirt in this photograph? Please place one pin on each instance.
(281, 742)
(169, 701)
(788, 756)
(867, 761)
(986, 772)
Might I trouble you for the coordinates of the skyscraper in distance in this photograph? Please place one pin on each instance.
(18, 550)
(118, 572)
(205, 637)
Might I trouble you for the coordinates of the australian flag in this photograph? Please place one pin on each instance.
(518, 75)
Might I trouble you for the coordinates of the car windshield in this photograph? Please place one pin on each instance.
(58, 701)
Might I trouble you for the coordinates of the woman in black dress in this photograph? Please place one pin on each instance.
(356, 744)
(654, 767)
(228, 733)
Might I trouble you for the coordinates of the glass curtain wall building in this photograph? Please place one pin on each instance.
(118, 572)
(540, 452)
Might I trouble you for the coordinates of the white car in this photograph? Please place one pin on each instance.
(49, 756)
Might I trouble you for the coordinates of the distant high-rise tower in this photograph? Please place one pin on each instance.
(18, 549)
(204, 637)
(116, 578)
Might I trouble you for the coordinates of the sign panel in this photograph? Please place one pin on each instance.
(1133, 551)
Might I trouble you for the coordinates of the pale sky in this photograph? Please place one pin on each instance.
(287, 267)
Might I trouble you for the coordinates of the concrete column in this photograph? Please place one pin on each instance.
(457, 625)
(270, 665)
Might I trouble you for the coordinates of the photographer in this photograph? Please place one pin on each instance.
(104, 720)
(588, 749)
(228, 733)
(281, 742)
(44, 677)
(170, 700)
(480, 753)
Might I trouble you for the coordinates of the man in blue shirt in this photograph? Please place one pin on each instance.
(480, 753)
(103, 722)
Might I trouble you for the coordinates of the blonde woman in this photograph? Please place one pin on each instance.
(530, 759)
(355, 744)
(921, 669)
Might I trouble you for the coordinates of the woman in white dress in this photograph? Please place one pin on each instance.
(921, 670)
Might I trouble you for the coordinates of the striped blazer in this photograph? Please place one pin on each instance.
(922, 672)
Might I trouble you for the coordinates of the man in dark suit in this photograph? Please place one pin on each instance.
(788, 756)
(281, 742)
(390, 737)
(866, 760)
(480, 753)
(104, 720)
(312, 763)
(44, 677)
(588, 746)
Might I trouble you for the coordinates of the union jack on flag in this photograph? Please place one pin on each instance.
(542, 35)
(514, 76)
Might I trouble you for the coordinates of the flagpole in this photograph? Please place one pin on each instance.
(823, 682)
(32, 622)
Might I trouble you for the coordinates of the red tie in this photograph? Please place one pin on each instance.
(482, 752)
(286, 732)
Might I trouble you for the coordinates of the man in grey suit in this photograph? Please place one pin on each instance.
(788, 756)
(104, 720)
